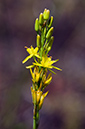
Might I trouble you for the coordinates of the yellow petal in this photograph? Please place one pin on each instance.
(27, 58)
(30, 66)
(53, 61)
(36, 50)
(37, 55)
(37, 64)
(29, 50)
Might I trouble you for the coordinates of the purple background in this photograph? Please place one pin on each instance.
(64, 107)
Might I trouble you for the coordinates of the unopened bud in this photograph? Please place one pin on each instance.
(38, 40)
(50, 22)
(46, 14)
(36, 24)
(49, 33)
(50, 43)
(41, 18)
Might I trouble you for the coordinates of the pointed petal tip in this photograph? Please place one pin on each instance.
(30, 66)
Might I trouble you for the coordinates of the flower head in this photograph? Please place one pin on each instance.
(32, 52)
(46, 62)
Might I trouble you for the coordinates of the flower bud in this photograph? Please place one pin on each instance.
(49, 33)
(36, 24)
(38, 40)
(46, 14)
(41, 18)
(50, 22)
(50, 43)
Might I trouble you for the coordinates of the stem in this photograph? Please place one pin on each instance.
(34, 117)
(34, 123)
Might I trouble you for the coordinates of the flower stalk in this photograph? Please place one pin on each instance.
(42, 62)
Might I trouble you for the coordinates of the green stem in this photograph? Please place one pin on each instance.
(34, 117)
(34, 123)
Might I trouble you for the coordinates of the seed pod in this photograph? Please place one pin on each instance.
(38, 40)
(41, 18)
(36, 24)
(49, 33)
(46, 14)
(50, 22)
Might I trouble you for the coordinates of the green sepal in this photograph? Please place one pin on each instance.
(36, 24)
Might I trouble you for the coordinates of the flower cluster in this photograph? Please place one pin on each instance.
(42, 61)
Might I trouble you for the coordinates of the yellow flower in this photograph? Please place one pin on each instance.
(47, 63)
(32, 52)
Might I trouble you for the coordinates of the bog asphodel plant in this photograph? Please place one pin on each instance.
(42, 62)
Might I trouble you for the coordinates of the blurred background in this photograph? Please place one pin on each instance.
(64, 107)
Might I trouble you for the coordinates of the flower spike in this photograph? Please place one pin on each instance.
(42, 62)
